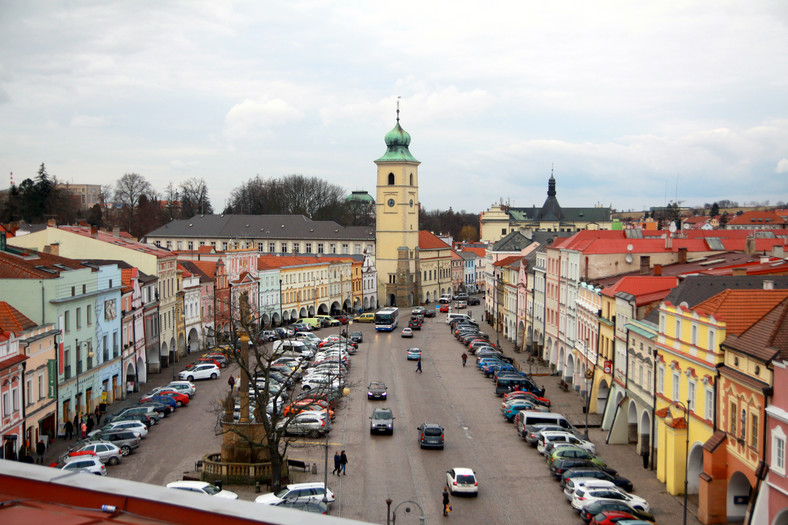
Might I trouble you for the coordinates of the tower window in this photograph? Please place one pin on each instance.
(391, 179)
(411, 179)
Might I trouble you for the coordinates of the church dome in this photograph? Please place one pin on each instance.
(397, 142)
(397, 137)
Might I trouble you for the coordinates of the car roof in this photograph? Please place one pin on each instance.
(307, 485)
(462, 471)
(427, 425)
(188, 484)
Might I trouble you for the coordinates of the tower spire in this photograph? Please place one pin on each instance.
(398, 99)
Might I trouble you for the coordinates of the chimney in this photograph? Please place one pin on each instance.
(94, 232)
(53, 249)
(768, 284)
(658, 269)
(116, 231)
(739, 271)
(749, 245)
(51, 223)
(764, 259)
(778, 251)
(682, 256)
(645, 263)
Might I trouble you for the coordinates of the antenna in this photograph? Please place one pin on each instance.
(398, 99)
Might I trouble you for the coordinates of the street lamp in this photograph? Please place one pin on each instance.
(686, 448)
(393, 520)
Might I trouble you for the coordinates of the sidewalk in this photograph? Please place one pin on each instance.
(624, 458)
(60, 445)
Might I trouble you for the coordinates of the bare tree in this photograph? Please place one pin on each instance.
(128, 190)
(194, 198)
(289, 195)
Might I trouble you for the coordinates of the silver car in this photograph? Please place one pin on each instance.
(89, 464)
(308, 423)
(107, 452)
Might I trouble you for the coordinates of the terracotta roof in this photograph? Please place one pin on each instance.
(208, 268)
(714, 442)
(756, 218)
(506, 261)
(29, 264)
(741, 308)
(429, 241)
(767, 338)
(12, 320)
(743, 378)
(119, 241)
(646, 288)
(481, 252)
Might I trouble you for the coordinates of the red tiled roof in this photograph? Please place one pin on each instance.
(767, 337)
(12, 320)
(206, 267)
(755, 218)
(481, 252)
(506, 261)
(119, 241)
(428, 241)
(740, 309)
(13, 266)
(645, 288)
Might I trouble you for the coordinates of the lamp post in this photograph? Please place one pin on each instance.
(393, 521)
(686, 451)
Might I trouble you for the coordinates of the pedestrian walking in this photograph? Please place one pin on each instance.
(418, 366)
(644, 454)
(84, 428)
(343, 462)
(77, 424)
(69, 428)
(90, 424)
(98, 417)
(464, 358)
(40, 449)
(231, 382)
(337, 463)
(446, 501)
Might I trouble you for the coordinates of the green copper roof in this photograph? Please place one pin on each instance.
(360, 196)
(397, 142)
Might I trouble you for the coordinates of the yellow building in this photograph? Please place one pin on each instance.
(687, 355)
(397, 221)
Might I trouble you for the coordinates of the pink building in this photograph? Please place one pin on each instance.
(12, 322)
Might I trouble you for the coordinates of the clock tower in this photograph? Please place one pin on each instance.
(397, 221)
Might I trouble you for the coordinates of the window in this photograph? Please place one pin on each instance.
(711, 341)
(283, 248)
(308, 247)
(743, 427)
(296, 247)
(345, 248)
(271, 247)
(503, 231)
(709, 412)
(754, 430)
(691, 395)
(115, 349)
(29, 391)
(78, 318)
(179, 244)
(333, 247)
(89, 315)
(660, 377)
(320, 247)
(15, 399)
(732, 417)
(778, 450)
(169, 244)
(67, 321)
(73, 291)
(391, 179)
(694, 335)
(6, 404)
(191, 245)
(675, 392)
(224, 246)
(41, 387)
(678, 329)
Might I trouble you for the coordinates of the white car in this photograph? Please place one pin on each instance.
(320, 381)
(299, 492)
(583, 497)
(200, 371)
(462, 481)
(202, 487)
(138, 427)
(184, 387)
(557, 437)
(585, 483)
(90, 464)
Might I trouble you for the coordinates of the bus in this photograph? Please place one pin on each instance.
(386, 320)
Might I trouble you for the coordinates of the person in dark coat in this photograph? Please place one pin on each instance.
(337, 463)
(343, 462)
(98, 417)
(40, 449)
(90, 423)
(77, 422)
(418, 366)
(69, 428)
(446, 501)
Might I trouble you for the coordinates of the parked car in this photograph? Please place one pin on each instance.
(617, 517)
(308, 423)
(572, 452)
(149, 411)
(142, 418)
(596, 473)
(88, 463)
(138, 427)
(430, 312)
(184, 387)
(126, 440)
(560, 466)
(266, 336)
(158, 394)
(377, 390)
(444, 308)
(462, 481)
(313, 491)
(591, 510)
(583, 497)
(563, 437)
(200, 371)
(316, 507)
(586, 483)
(219, 357)
(381, 420)
(107, 452)
(202, 487)
(473, 301)
(430, 435)
(414, 354)
(407, 332)
(321, 382)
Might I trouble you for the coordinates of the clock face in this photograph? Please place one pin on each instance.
(391, 203)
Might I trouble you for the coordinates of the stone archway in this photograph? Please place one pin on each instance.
(632, 423)
(601, 396)
(738, 490)
(302, 313)
(645, 432)
(392, 300)
(193, 344)
(569, 373)
(131, 381)
(142, 373)
(164, 354)
(559, 365)
(695, 468)
(322, 309)
(311, 311)
(181, 344)
(781, 518)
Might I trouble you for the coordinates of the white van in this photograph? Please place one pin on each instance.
(293, 348)
(462, 317)
(526, 418)
(445, 298)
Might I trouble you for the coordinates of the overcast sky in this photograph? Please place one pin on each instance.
(630, 103)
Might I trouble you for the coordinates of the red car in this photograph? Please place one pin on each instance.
(611, 517)
(527, 395)
(210, 361)
(444, 308)
(180, 399)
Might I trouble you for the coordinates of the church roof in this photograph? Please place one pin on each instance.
(551, 210)
(397, 142)
(429, 241)
(513, 242)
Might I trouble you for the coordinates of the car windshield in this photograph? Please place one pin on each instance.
(431, 431)
(211, 489)
(465, 478)
(282, 493)
(382, 414)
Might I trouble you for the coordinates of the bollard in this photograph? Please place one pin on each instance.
(314, 468)
(257, 487)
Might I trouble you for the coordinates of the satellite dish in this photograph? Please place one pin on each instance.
(629, 247)
(629, 258)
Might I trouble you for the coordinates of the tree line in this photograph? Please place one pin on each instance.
(132, 204)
